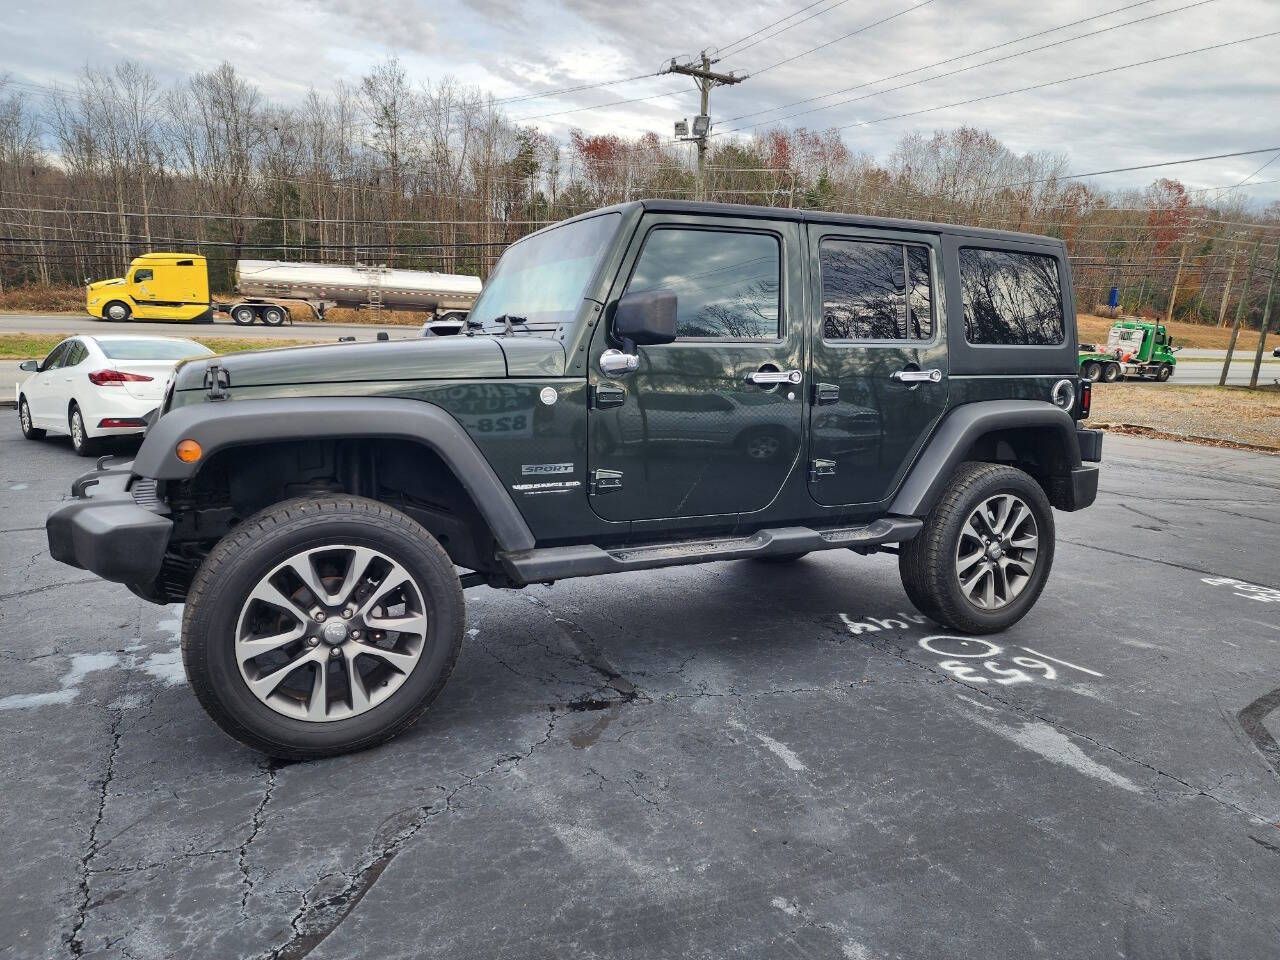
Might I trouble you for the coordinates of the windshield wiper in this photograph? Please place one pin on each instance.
(509, 322)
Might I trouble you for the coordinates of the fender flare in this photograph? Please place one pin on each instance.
(953, 438)
(221, 426)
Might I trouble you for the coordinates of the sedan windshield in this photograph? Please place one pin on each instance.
(539, 282)
(140, 348)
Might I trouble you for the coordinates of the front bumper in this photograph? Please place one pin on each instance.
(106, 531)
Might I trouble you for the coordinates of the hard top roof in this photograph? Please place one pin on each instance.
(691, 207)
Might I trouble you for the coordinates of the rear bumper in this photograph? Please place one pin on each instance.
(106, 531)
(1090, 443)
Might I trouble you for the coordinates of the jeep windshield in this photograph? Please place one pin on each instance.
(539, 282)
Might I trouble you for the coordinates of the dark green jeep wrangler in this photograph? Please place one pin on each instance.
(651, 384)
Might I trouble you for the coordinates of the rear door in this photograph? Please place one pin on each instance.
(709, 425)
(879, 367)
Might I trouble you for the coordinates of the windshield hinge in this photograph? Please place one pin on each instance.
(216, 381)
(607, 395)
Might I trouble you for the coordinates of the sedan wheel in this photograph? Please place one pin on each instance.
(24, 418)
(80, 440)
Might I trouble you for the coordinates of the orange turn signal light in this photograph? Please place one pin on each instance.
(188, 451)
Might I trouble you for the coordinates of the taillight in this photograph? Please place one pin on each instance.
(109, 378)
(1086, 397)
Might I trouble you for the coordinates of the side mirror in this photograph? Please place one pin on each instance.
(29, 366)
(643, 319)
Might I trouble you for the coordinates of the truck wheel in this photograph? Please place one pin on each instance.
(1165, 372)
(116, 311)
(985, 551)
(321, 626)
(244, 314)
(24, 418)
(273, 316)
(1110, 372)
(1091, 370)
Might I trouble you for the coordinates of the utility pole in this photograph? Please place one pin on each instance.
(1235, 327)
(704, 79)
(1226, 288)
(1266, 321)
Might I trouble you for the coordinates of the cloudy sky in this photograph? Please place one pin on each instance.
(1216, 101)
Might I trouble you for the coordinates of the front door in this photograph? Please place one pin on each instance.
(710, 424)
(42, 398)
(879, 367)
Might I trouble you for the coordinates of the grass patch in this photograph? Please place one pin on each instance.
(35, 346)
(37, 298)
(1220, 414)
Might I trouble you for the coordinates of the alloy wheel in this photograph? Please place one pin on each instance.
(24, 416)
(77, 429)
(330, 633)
(996, 551)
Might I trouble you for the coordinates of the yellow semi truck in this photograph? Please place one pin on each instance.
(175, 286)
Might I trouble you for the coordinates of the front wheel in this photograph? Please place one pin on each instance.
(116, 311)
(322, 626)
(985, 551)
(1165, 372)
(24, 420)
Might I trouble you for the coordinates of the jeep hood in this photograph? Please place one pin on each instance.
(435, 358)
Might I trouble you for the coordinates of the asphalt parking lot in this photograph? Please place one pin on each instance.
(726, 761)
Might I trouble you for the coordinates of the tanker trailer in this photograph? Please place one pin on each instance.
(267, 287)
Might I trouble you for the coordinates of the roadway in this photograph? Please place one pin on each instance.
(733, 760)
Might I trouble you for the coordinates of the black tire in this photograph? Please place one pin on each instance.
(779, 558)
(928, 562)
(1165, 372)
(81, 442)
(241, 559)
(1092, 370)
(273, 316)
(243, 314)
(24, 420)
(117, 311)
(1110, 372)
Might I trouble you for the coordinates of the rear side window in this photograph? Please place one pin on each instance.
(727, 285)
(1011, 298)
(873, 290)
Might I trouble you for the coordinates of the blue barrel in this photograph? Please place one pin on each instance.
(1113, 299)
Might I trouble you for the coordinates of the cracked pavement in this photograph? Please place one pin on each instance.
(731, 760)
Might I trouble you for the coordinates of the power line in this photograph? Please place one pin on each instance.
(930, 66)
(853, 33)
(972, 66)
(1051, 83)
(723, 52)
(1142, 166)
(564, 90)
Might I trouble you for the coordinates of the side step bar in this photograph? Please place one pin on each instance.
(545, 564)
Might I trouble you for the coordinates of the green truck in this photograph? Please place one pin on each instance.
(1134, 348)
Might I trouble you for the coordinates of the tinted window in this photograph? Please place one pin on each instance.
(75, 354)
(140, 275)
(1011, 298)
(875, 291)
(54, 359)
(137, 348)
(727, 285)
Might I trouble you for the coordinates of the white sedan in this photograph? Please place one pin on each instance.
(94, 387)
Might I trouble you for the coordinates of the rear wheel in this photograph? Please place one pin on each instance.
(24, 418)
(1091, 370)
(116, 311)
(984, 554)
(1110, 372)
(322, 626)
(81, 442)
(273, 316)
(243, 314)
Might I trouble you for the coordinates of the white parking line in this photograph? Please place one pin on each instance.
(1073, 666)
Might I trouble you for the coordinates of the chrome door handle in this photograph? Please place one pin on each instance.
(917, 376)
(773, 376)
